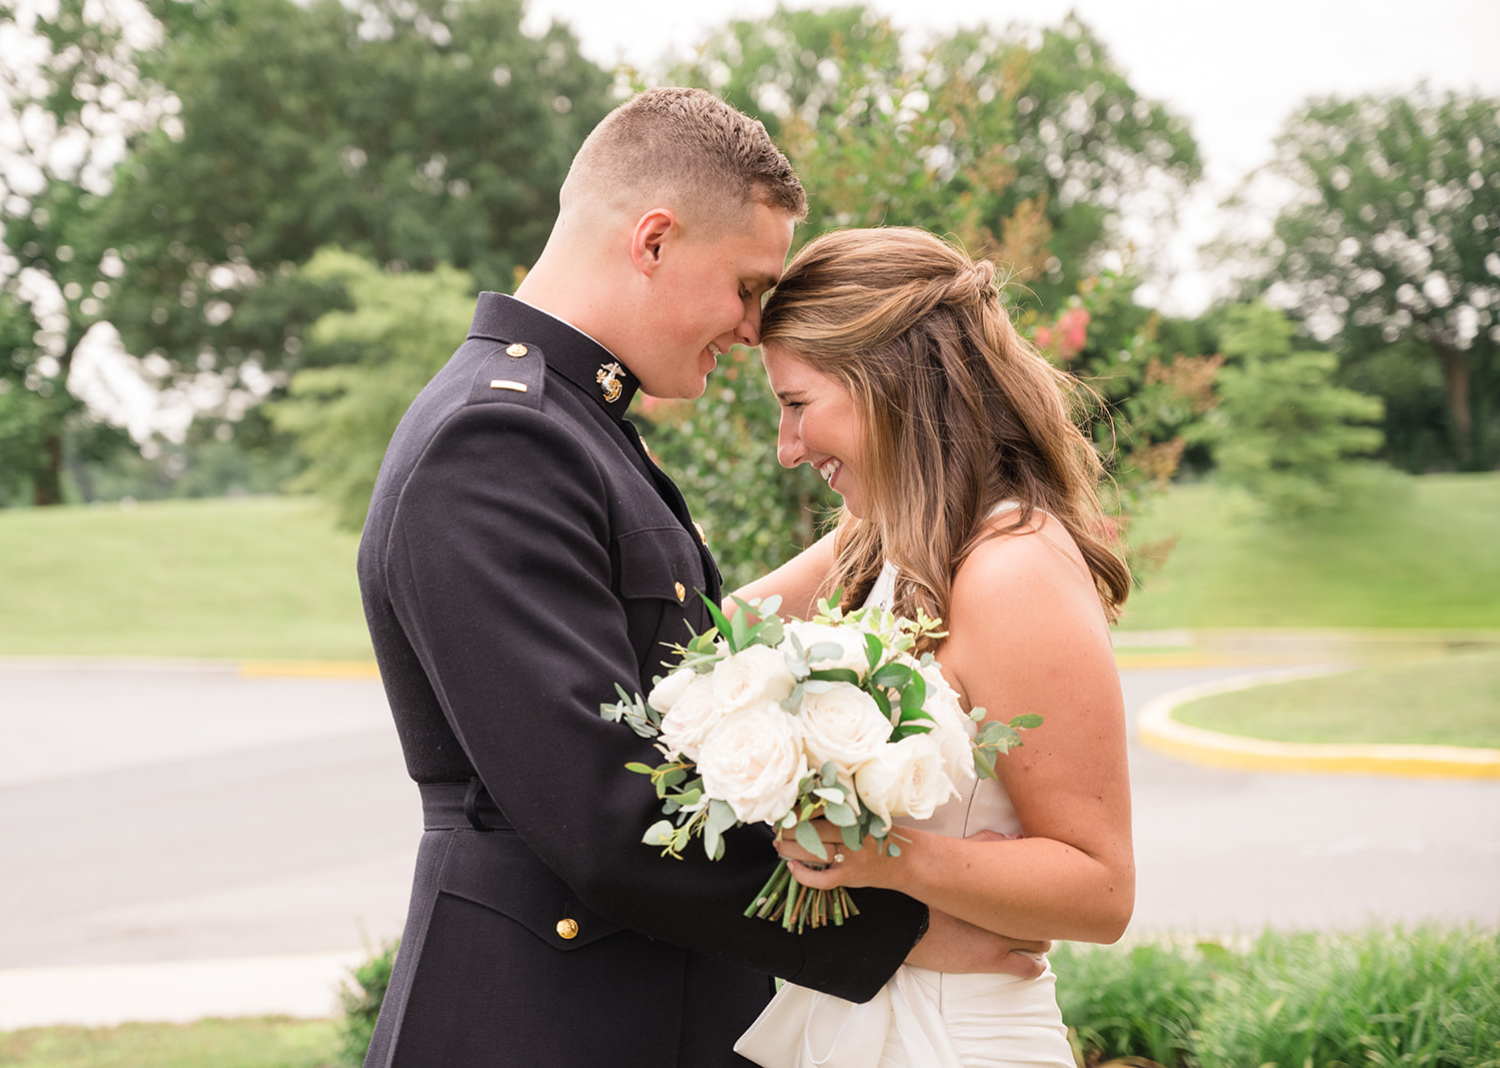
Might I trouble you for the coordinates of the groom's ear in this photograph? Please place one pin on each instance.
(652, 231)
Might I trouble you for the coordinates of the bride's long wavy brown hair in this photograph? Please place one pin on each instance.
(960, 413)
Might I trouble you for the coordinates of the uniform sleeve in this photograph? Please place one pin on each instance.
(499, 569)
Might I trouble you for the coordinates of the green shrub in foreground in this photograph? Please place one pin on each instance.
(1143, 1001)
(1424, 996)
(360, 1002)
(1384, 996)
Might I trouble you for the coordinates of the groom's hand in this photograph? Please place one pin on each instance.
(954, 945)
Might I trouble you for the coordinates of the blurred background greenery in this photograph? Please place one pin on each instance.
(273, 217)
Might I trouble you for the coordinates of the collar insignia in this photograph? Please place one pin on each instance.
(609, 382)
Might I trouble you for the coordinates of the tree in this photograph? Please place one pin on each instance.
(1026, 146)
(1282, 429)
(72, 94)
(410, 132)
(1017, 148)
(374, 358)
(1393, 245)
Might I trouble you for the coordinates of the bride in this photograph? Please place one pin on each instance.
(969, 492)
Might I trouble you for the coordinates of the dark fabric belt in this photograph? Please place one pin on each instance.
(460, 806)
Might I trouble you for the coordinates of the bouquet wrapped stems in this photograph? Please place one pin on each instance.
(796, 907)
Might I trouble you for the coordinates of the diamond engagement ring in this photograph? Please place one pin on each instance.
(838, 858)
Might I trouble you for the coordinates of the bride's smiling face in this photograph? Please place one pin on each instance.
(820, 425)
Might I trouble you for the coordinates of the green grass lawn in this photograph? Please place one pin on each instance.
(1410, 553)
(246, 578)
(270, 578)
(1452, 701)
(270, 1042)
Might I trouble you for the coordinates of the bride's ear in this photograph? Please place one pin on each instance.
(653, 232)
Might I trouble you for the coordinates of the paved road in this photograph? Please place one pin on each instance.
(161, 813)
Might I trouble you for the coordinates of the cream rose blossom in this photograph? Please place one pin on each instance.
(669, 690)
(753, 760)
(906, 778)
(751, 676)
(690, 719)
(952, 729)
(842, 724)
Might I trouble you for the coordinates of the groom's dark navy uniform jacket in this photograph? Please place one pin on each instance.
(523, 555)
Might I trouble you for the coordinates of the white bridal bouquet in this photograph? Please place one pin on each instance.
(785, 721)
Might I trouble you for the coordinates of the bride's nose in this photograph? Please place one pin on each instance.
(789, 451)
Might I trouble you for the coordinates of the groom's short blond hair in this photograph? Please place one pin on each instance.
(687, 150)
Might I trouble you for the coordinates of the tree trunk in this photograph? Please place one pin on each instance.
(1456, 377)
(47, 487)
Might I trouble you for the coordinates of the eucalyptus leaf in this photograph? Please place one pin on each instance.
(826, 675)
(712, 843)
(721, 816)
(914, 693)
(808, 839)
(659, 833)
(1026, 722)
(840, 814)
(828, 774)
(853, 839)
(895, 676)
(639, 768)
(824, 651)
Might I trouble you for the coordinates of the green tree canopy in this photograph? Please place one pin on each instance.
(375, 358)
(69, 94)
(410, 132)
(1026, 146)
(1393, 245)
(1282, 429)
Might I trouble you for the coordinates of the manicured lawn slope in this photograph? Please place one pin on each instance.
(270, 577)
(260, 577)
(1412, 553)
(1451, 701)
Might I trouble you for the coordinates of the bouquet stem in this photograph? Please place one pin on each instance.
(800, 908)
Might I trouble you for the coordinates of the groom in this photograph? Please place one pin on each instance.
(522, 555)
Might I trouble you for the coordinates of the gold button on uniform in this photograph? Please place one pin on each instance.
(699, 528)
(681, 590)
(516, 351)
(567, 928)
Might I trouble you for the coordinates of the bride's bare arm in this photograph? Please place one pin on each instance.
(1027, 635)
(797, 580)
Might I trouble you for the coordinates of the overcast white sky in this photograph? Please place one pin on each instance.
(1235, 71)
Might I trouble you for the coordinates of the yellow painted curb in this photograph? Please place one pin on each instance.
(1159, 731)
(308, 669)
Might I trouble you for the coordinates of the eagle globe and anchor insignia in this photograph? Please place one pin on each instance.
(608, 379)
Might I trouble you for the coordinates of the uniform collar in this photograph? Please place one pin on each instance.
(568, 351)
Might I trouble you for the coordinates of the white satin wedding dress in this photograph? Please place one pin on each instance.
(922, 1018)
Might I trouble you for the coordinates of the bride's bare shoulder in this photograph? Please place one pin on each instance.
(1026, 592)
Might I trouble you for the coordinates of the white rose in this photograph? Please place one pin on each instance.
(751, 676)
(691, 717)
(669, 690)
(906, 778)
(952, 728)
(753, 760)
(850, 642)
(842, 724)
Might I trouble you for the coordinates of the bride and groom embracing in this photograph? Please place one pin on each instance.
(524, 554)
